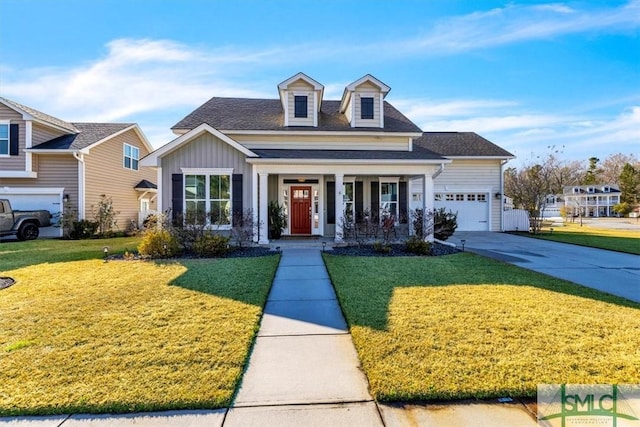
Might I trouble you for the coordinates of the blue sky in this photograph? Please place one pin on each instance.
(527, 75)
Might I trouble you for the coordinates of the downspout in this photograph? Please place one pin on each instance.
(438, 172)
(502, 196)
(80, 158)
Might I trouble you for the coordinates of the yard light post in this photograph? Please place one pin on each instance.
(463, 241)
(324, 245)
(105, 250)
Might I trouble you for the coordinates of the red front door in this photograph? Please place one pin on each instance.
(300, 215)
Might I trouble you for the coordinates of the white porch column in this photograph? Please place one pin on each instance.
(264, 217)
(428, 198)
(339, 206)
(254, 204)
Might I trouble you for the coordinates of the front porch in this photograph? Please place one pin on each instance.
(337, 203)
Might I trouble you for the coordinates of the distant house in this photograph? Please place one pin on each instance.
(48, 163)
(324, 160)
(591, 200)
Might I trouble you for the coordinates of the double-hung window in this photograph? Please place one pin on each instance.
(366, 107)
(300, 106)
(388, 199)
(348, 197)
(208, 199)
(131, 157)
(4, 139)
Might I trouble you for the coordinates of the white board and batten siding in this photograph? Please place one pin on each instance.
(205, 152)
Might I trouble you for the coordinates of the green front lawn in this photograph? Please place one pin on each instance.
(464, 326)
(614, 240)
(89, 336)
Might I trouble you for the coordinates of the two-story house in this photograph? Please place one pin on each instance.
(322, 160)
(591, 200)
(48, 163)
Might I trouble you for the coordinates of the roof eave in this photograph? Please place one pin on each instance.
(258, 160)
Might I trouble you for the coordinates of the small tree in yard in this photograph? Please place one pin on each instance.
(105, 215)
(529, 188)
(244, 228)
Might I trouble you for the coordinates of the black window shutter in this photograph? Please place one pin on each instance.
(176, 196)
(236, 195)
(14, 134)
(359, 202)
(402, 196)
(375, 200)
(331, 202)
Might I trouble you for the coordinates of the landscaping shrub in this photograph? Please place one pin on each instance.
(211, 245)
(158, 243)
(382, 247)
(83, 229)
(416, 245)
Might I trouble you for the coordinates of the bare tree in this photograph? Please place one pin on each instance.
(612, 167)
(529, 188)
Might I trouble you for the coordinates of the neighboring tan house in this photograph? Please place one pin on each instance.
(323, 160)
(47, 163)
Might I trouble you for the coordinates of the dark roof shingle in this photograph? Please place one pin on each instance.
(418, 153)
(41, 116)
(90, 133)
(453, 144)
(267, 114)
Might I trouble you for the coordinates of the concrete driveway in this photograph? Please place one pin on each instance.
(608, 271)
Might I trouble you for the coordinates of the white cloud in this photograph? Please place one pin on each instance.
(519, 23)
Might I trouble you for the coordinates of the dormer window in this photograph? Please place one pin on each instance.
(576, 190)
(366, 107)
(606, 189)
(300, 106)
(591, 190)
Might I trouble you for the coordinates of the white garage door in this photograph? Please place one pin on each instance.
(472, 208)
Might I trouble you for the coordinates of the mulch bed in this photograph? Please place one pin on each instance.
(5, 282)
(397, 249)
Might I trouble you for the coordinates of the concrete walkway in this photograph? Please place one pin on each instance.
(303, 355)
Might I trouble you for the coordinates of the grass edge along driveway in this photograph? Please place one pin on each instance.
(627, 241)
(464, 326)
(125, 336)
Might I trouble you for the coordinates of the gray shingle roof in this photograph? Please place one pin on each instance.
(145, 185)
(451, 144)
(416, 154)
(89, 133)
(584, 189)
(41, 116)
(267, 114)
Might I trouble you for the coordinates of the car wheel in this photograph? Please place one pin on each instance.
(28, 231)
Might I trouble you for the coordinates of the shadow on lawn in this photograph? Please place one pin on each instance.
(246, 280)
(365, 285)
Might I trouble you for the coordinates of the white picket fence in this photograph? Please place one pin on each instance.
(516, 220)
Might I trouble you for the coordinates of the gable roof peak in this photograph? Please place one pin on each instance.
(39, 116)
(369, 78)
(301, 76)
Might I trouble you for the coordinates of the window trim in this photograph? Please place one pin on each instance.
(7, 123)
(306, 106)
(373, 109)
(390, 180)
(208, 172)
(132, 158)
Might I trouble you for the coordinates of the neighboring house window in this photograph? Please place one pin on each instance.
(300, 104)
(208, 199)
(366, 108)
(131, 157)
(4, 139)
(388, 199)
